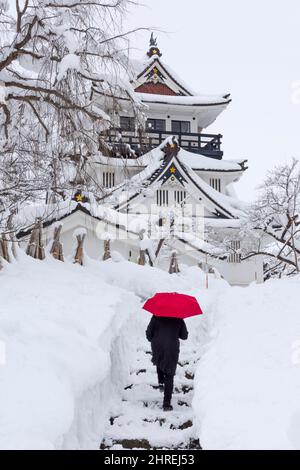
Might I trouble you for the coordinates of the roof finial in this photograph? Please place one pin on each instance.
(153, 41)
(154, 50)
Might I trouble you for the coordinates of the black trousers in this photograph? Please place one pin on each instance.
(168, 381)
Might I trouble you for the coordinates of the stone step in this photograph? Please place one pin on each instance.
(144, 444)
(140, 422)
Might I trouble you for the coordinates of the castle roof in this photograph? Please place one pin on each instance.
(156, 174)
(194, 161)
(153, 76)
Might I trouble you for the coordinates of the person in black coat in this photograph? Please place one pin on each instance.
(164, 334)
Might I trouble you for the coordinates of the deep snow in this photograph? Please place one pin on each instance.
(59, 324)
(248, 382)
(70, 336)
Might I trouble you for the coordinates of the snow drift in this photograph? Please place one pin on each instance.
(63, 331)
(248, 383)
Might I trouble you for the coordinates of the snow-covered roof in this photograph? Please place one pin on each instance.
(192, 160)
(156, 174)
(170, 78)
(195, 100)
(52, 213)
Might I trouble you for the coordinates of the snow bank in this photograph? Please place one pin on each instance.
(64, 334)
(248, 382)
(69, 334)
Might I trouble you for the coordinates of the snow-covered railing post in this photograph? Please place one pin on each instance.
(35, 247)
(106, 255)
(174, 267)
(57, 249)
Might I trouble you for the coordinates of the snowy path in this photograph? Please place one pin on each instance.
(140, 422)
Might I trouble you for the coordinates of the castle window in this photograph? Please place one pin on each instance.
(127, 123)
(108, 179)
(162, 197)
(179, 196)
(235, 257)
(215, 183)
(156, 125)
(182, 127)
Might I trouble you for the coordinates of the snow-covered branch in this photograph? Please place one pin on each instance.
(51, 54)
(275, 215)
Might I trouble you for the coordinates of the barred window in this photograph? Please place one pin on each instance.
(235, 257)
(162, 197)
(108, 179)
(127, 123)
(215, 183)
(179, 196)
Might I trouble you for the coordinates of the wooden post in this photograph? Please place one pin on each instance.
(79, 249)
(106, 255)
(174, 267)
(57, 249)
(142, 258)
(35, 248)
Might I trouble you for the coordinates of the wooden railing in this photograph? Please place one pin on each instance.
(135, 145)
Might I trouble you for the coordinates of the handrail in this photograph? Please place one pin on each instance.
(203, 144)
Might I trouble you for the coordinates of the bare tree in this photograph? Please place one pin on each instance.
(52, 53)
(275, 217)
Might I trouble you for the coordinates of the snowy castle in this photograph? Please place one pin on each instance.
(168, 193)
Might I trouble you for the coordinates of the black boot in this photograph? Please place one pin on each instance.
(161, 379)
(167, 407)
(169, 380)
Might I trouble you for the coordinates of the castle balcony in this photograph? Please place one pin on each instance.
(129, 144)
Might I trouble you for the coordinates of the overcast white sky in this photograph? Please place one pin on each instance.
(248, 48)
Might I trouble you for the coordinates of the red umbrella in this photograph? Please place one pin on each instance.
(172, 304)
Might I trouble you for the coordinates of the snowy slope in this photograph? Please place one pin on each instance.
(248, 382)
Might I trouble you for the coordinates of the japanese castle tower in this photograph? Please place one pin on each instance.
(167, 190)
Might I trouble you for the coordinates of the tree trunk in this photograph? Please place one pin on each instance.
(79, 250)
(35, 248)
(57, 249)
(142, 258)
(4, 248)
(106, 254)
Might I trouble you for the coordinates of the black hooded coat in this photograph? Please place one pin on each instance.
(164, 334)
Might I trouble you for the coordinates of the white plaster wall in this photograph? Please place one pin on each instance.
(242, 274)
(125, 244)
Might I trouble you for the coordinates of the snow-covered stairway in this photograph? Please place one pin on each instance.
(140, 422)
